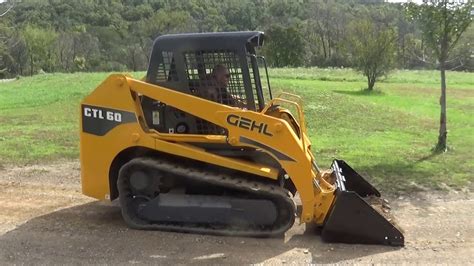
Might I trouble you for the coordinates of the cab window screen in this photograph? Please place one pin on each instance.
(204, 70)
(167, 68)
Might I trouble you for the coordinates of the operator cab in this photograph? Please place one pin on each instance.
(222, 67)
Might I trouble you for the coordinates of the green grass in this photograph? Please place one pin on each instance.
(386, 135)
(39, 116)
(414, 77)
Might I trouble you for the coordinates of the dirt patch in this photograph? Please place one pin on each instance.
(44, 219)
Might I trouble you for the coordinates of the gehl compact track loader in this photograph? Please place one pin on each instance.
(198, 146)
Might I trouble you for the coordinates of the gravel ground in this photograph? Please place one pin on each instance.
(44, 219)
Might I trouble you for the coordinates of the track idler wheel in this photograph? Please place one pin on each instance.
(137, 185)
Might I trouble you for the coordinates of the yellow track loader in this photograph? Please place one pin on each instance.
(199, 146)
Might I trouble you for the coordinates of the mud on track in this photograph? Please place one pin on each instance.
(45, 219)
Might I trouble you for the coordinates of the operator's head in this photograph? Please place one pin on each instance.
(221, 75)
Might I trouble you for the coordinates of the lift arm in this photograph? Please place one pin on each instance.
(245, 128)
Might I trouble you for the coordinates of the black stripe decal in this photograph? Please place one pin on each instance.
(99, 120)
(277, 154)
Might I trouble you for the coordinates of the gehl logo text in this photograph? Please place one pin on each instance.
(248, 124)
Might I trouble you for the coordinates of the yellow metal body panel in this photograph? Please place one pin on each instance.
(245, 128)
(98, 152)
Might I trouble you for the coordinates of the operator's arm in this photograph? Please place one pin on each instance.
(227, 98)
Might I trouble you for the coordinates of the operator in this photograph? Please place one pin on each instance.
(216, 88)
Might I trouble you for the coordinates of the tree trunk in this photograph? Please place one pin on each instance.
(443, 131)
(324, 46)
(20, 67)
(370, 83)
(404, 61)
(31, 65)
(329, 44)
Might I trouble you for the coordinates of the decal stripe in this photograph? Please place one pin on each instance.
(277, 154)
(99, 120)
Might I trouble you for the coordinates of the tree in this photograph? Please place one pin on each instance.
(285, 47)
(442, 23)
(137, 49)
(39, 44)
(8, 8)
(112, 35)
(326, 25)
(373, 50)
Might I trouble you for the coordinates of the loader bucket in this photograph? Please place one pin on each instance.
(352, 219)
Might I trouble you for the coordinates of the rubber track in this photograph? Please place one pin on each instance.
(276, 194)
